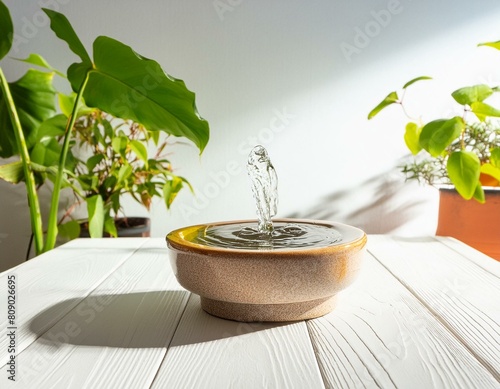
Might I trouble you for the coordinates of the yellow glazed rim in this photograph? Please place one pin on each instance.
(351, 237)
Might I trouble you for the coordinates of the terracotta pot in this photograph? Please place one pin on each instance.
(131, 227)
(475, 224)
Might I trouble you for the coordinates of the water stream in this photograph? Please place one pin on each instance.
(264, 187)
(264, 234)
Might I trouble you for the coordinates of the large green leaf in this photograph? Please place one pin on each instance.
(63, 29)
(130, 86)
(464, 169)
(6, 30)
(34, 97)
(472, 94)
(391, 98)
(95, 208)
(437, 135)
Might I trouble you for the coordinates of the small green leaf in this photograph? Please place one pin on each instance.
(495, 45)
(171, 189)
(110, 226)
(464, 169)
(6, 30)
(412, 135)
(139, 149)
(109, 183)
(472, 94)
(52, 128)
(12, 172)
(391, 98)
(70, 230)
(119, 145)
(155, 135)
(93, 161)
(191, 189)
(98, 138)
(415, 80)
(479, 194)
(115, 202)
(108, 129)
(95, 207)
(46, 153)
(124, 173)
(38, 60)
(489, 169)
(495, 157)
(66, 103)
(483, 110)
(437, 135)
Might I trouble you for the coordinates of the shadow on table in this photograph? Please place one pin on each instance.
(135, 320)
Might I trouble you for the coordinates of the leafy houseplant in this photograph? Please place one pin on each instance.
(116, 163)
(117, 81)
(463, 151)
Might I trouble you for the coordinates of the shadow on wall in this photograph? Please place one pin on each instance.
(382, 204)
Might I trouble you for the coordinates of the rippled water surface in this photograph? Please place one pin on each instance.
(246, 236)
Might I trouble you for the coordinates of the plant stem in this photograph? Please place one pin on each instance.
(54, 204)
(29, 178)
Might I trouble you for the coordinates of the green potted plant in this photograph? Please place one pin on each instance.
(117, 81)
(116, 162)
(461, 156)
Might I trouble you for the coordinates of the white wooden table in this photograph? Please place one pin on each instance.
(108, 313)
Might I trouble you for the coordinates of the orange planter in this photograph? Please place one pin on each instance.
(473, 223)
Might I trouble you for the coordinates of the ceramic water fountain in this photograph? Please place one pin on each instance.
(266, 270)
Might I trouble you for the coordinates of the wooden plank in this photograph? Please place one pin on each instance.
(114, 338)
(68, 273)
(463, 296)
(380, 335)
(208, 352)
(487, 263)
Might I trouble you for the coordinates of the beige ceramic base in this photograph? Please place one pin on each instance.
(269, 312)
(266, 285)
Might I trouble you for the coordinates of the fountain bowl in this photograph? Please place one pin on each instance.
(267, 285)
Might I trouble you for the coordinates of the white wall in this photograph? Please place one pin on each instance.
(255, 64)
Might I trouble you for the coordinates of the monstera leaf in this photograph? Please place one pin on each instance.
(34, 97)
(129, 86)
